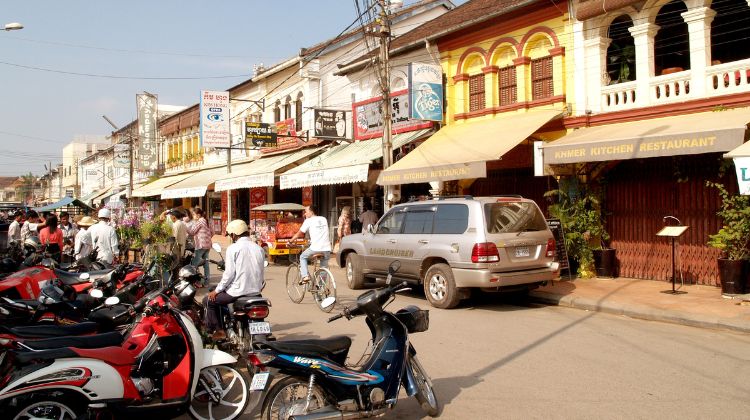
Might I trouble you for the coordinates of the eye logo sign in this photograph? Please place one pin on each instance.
(215, 117)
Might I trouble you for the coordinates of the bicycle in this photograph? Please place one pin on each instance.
(321, 284)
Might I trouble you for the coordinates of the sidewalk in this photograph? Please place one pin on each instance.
(701, 306)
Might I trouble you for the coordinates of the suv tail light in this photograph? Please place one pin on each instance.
(550, 247)
(257, 312)
(485, 252)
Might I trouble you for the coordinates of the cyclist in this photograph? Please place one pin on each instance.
(320, 240)
(243, 276)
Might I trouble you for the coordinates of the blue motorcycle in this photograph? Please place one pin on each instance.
(314, 382)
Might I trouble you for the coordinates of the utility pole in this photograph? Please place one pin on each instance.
(130, 172)
(385, 85)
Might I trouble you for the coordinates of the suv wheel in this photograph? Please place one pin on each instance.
(440, 288)
(354, 276)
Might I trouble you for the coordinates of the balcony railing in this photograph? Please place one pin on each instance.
(720, 79)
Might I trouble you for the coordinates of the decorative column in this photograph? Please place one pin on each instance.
(558, 70)
(699, 33)
(491, 96)
(461, 92)
(595, 67)
(643, 36)
(523, 79)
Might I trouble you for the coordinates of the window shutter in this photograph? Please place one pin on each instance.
(507, 85)
(476, 92)
(542, 85)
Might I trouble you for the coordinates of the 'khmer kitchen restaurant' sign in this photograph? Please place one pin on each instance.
(368, 117)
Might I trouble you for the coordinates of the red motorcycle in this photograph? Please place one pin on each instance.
(158, 368)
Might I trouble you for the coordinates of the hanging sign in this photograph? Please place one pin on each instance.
(426, 91)
(147, 108)
(330, 124)
(368, 117)
(214, 122)
(260, 134)
(742, 166)
(122, 156)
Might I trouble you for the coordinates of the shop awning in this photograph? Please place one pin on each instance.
(100, 195)
(195, 185)
(344, 163)
(692, 134)
(460, 151)
(155, 188)
(260, 172)
(86, 199)
(65, 202)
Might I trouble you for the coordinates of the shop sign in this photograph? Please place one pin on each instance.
(214, 119)
(286, 137)
(433, 173)
(330, 124)
(426, 91)
(330, 176)
(122, 156)
(147, 107)
(248, 181)
(260, 134)
(184, 192)
(368, 117)
(742, 166)
(257, 198)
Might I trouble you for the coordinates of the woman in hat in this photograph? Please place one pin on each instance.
(83, 242)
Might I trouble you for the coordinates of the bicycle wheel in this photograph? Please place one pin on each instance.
(294, 287)
(325, 286)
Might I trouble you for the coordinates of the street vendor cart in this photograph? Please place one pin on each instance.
(280, 222)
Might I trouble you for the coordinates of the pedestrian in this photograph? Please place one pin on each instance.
(369, 217)
(68, 228)
(320, 240)
(201, 233)
(83, 242)
(179, 231)
(243, 276)
(31, 226)
(104, 238)
(14, 230)
(345, 222)
(51, 236)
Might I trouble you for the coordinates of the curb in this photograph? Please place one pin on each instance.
(641, 312)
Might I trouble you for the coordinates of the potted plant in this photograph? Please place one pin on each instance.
(583, 225)
(620, 59)
(732, 239)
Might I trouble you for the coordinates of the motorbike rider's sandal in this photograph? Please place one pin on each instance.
(219, 335)
(304, 280)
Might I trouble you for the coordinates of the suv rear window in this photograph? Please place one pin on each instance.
(513, 217)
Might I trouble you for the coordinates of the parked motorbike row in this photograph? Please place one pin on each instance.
(121, 342)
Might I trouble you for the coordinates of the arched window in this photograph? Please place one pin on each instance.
(398, 83)
(277, 112)
(288, 108)
(621, 51)
(671, 44)
(730, 31)
(298, 113)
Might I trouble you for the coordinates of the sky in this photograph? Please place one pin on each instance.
(77, 60)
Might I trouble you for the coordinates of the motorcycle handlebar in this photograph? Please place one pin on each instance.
(335, 317)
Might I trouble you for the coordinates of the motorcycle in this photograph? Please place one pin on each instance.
(159, 367)
(316, 384)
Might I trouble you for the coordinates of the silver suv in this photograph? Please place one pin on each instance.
(452, 245)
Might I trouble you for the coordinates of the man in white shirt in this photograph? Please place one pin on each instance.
(83, 245)
(31, 226)
(243, 276)
(320, 240)
(14, 230)
(104, 238)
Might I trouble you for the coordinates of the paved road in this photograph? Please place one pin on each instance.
(494, 358)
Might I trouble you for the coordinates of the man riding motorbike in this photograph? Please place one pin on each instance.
(243, 276)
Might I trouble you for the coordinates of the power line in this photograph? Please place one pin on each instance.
(109, 76)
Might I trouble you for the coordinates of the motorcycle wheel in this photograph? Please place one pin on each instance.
(227, 382)
(288, 397)
(45, 407)
(425, 394)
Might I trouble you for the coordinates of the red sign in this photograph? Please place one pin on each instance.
(257, 198)
(368, 117)
(307, 196)
(283, 142)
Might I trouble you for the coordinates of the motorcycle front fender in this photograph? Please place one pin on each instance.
(408, 381)
(213, 357)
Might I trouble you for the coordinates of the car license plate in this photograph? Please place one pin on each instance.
(522, 251)
(260, 328)
(259, 381)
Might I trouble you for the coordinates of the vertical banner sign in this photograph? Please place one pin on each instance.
(147, 113)
(257, 198)
(307, 196)
(122, 156)
(426, 91)
(214, 127)
(742, 166)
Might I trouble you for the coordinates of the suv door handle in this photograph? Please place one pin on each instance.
(423, 241)
(392, 241)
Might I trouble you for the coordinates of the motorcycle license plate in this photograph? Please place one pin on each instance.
(522, 251)
(259, 381)
(260, 328)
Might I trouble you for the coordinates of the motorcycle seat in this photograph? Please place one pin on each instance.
(69, 279)
(48, 331)
(25, 357)
(334, 348)
(243, 302)
(110, 339)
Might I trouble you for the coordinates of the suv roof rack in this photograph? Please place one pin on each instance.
(505, 195)
(465, 197)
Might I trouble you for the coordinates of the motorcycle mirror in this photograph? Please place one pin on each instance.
(112, 300)
(96, 294)
(328, 302)
(216, 247)
(84, 276)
